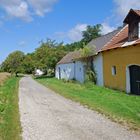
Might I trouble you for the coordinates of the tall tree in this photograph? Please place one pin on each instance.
(29, 63)
(46, 56)
(91, 32)
(13, 62)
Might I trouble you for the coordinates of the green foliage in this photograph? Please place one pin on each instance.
(28, 63)
(116, 105)
(74, 46)
(92, 32)
(13, 62)
(47, 55)
(91, 76)
(87, 53)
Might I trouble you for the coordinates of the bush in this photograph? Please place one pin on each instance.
(91, 76)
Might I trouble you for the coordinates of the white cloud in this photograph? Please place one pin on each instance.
(42, 6)
(106, 28)
(23, 9)
(123, 6)
(75, 34)
(72, 35)
(16, 8)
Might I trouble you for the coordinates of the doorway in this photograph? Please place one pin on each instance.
(59, 71)
(134, 71)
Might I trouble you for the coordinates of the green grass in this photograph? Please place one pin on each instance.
(118, 106)
(10, 128)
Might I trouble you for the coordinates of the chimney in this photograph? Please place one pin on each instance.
(133, 21)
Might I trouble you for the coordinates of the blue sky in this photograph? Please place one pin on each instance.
(23, 23)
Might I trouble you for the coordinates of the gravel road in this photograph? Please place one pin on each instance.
(46, 115)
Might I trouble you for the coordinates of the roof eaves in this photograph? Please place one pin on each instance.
(112, 39)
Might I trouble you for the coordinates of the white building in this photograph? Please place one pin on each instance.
(100, 42)
(69, 67)
(38, 72)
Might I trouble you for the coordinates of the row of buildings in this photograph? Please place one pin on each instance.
(116, 60)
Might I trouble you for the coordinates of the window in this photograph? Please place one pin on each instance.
(113, 70)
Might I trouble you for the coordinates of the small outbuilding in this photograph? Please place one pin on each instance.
(69, 68)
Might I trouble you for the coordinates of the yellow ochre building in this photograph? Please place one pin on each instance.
(121, 56)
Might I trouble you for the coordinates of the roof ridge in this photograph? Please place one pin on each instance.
(104, 35)
(115, 36)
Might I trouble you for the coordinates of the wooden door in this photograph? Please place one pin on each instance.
(135, 79)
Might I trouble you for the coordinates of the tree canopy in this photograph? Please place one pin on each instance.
(47, 55)
(13, 62)
(92, 32)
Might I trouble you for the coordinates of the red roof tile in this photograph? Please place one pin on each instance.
(118, 40)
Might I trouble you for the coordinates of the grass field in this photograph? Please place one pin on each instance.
(118, 106)
(9, 114)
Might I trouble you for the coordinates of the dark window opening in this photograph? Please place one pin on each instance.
(114, 72)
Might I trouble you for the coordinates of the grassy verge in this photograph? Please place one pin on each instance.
(118, 106)
(3, 77)
(9, 113)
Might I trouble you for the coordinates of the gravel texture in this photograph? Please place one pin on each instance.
(46, 115)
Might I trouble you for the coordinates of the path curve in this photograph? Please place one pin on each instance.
(46, 115)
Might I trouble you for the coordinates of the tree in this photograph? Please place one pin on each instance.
(13, 62)
(74, 46)
(91, 32)
(46, 56)
(29, 63)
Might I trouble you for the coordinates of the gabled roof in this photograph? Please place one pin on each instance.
(101, 41)
(131, 13)
(98, 43)
(69, 58)
(120, 40)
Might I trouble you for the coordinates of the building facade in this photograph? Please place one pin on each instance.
(121, 57)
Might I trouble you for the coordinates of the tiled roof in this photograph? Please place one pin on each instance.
(119, 40)
(98, 43)
(115, 39)
(101, 41)
(69, 57)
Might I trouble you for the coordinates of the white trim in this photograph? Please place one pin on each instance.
(98, 66)
(139, 29)
(128, 86)
(126, 44)
(127, 79)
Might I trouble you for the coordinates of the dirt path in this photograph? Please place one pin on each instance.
(48, 116)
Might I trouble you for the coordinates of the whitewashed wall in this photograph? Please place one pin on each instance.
(98, 66)
(71, 71)
(79, 71)
(66, 70)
